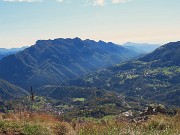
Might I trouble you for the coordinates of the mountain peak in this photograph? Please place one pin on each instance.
(101, 42)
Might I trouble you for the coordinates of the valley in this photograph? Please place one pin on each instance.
(120, 85)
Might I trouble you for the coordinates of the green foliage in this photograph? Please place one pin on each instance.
(79, 99)
(9, 127)
(177, 70)
(33, 130)
(137, 79)
(152, 77)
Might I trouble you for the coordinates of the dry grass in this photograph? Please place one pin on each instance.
(46, 124)
(33, 124)
(156, 125)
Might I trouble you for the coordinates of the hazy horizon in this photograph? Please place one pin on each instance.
(123, 44)
(23, 22)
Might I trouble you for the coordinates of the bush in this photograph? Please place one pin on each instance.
(9, 127)
(33, 130)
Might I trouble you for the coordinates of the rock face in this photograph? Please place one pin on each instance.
(154, 110)
(53, 61)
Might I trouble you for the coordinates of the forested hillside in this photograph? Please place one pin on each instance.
(155, 76)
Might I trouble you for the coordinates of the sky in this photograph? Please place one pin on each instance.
(23, 22)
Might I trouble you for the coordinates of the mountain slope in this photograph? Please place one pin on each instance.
(155, 76)
(10, 91)
(166, 55)
(2, 55)
(53, 61)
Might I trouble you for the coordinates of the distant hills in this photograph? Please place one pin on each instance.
(142, 48)
(54, 61)
(5, 52)
(155, 77)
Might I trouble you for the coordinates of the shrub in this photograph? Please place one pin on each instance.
(33, 130)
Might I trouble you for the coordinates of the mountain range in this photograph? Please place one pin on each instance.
(54, 61)
(141, 47)
(61, 66)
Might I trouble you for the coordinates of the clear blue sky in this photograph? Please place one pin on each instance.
(22, 22)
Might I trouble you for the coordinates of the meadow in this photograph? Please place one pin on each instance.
(26, 123)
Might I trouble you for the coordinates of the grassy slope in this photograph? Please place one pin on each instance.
(45, 124)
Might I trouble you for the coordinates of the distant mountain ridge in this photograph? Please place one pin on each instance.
(53, 61)
(141, 47)
(5, 52)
